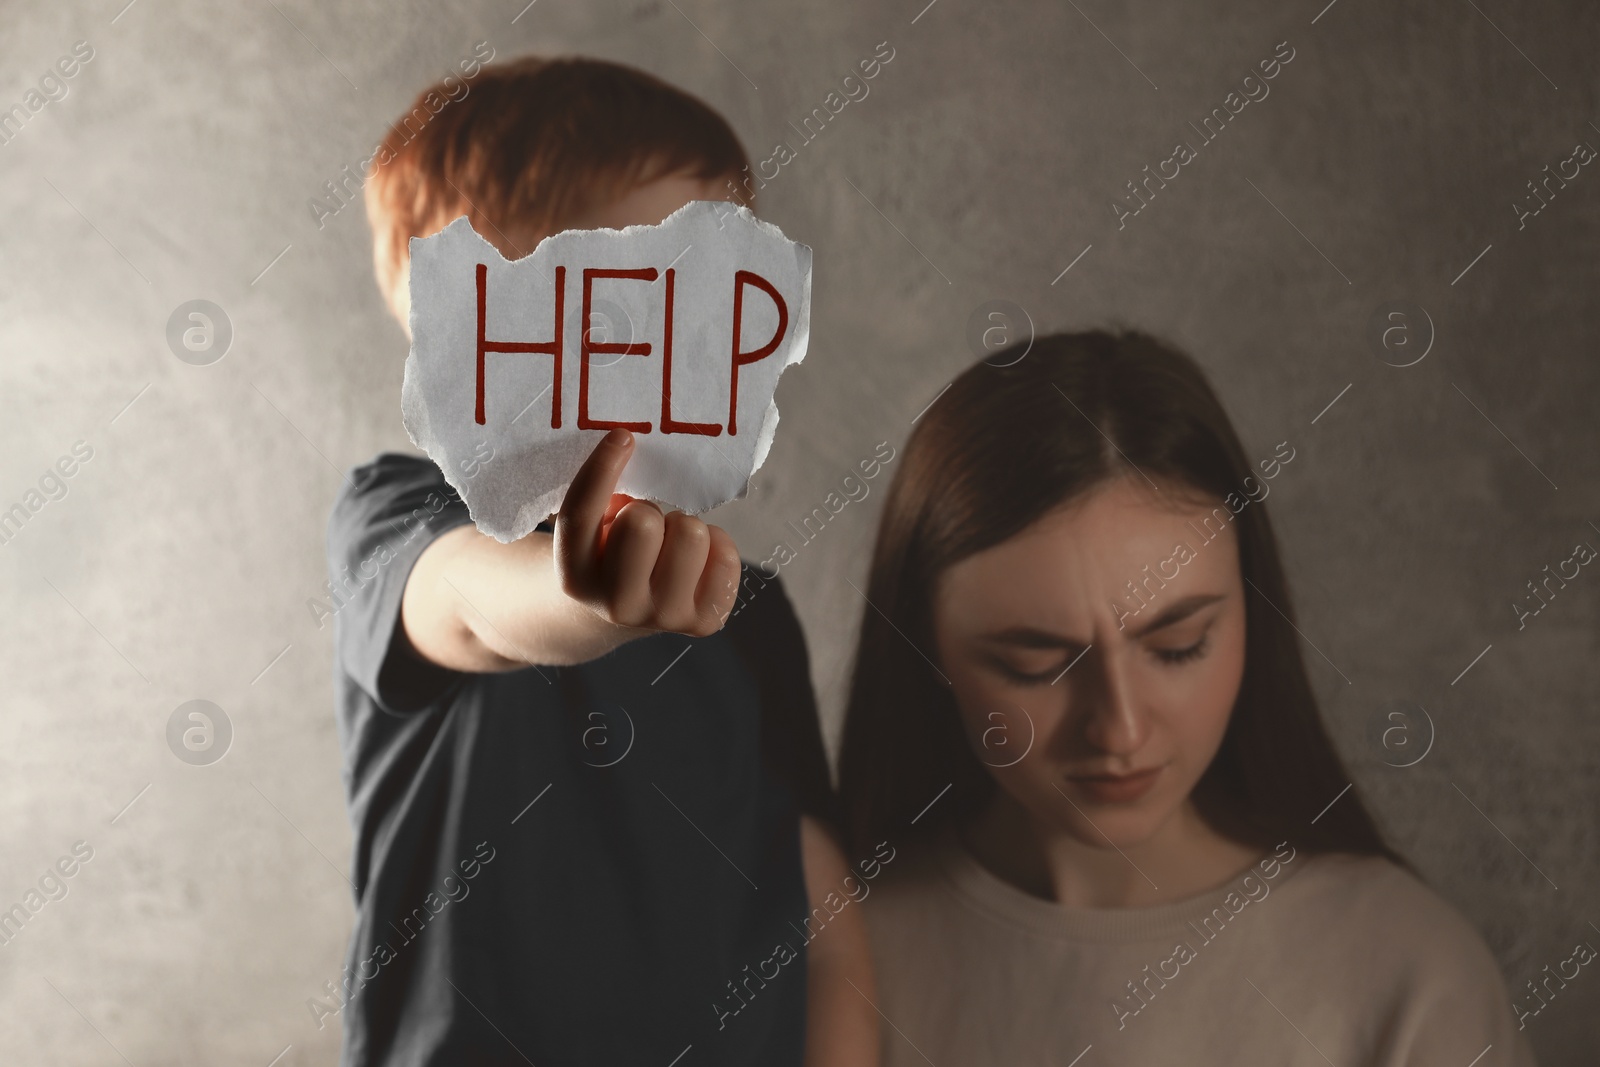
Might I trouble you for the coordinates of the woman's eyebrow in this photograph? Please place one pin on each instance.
(1177, 611)
(1029, 637)
(1032, 637)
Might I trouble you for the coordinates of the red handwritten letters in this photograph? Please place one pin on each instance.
(588, 346)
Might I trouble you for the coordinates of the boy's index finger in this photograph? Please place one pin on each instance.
(584, 507)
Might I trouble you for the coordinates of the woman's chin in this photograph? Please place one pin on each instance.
(1120, 826)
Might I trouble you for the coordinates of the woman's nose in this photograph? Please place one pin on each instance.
(1113, 723)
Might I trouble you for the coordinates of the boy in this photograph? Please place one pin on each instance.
(584, 769)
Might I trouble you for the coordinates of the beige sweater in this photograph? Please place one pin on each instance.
(1322, 961)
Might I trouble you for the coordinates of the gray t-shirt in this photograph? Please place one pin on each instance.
(1302, 960)
(566, 866)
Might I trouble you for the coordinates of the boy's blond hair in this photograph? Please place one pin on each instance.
(531, 147)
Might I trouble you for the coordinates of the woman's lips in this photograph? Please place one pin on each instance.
(1115, 788)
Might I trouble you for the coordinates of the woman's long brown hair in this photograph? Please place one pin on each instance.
(1010, 440)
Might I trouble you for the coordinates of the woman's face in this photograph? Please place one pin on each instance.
(1097, 708)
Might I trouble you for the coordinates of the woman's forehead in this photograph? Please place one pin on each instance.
(1089, 552)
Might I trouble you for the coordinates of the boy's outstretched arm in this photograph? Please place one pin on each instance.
(615, 569)
(841, 1019)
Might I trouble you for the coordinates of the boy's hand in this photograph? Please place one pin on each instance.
(633, 566)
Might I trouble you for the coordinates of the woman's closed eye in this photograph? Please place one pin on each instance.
(1045, 666)
(1034, 668)
(1176, 655)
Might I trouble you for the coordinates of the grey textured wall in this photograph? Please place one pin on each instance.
(1385, 161)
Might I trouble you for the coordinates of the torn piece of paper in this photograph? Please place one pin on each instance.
(690, 324)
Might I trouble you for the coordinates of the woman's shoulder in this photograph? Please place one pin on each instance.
(915, 880)
(1378, 902)
(913, 866)
(1384, 933)
(1390, 892)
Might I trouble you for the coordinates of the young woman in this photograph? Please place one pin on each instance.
(1080, 721)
